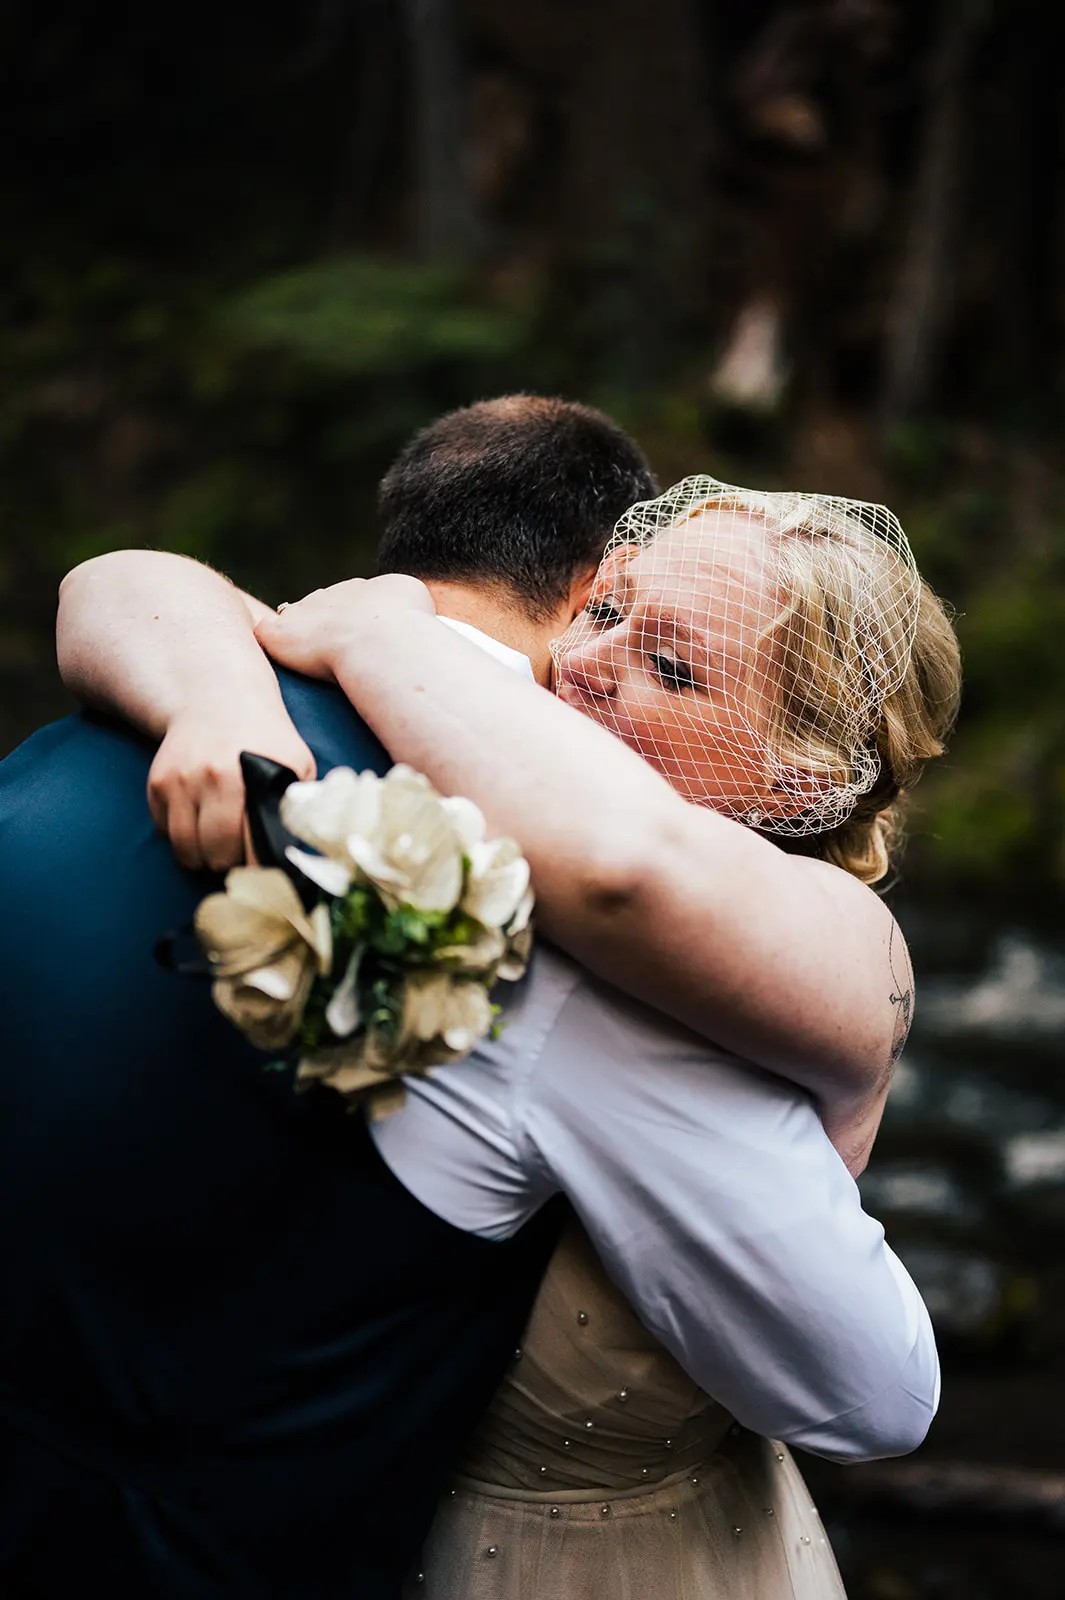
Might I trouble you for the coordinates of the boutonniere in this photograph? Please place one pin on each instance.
(368, 945)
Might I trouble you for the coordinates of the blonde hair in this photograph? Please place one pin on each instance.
(850, 687)
(913, 729)
(849, 643)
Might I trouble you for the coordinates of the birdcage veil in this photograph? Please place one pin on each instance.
(746, 643)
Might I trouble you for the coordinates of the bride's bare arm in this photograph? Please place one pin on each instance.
(790, 962)
(169, 646)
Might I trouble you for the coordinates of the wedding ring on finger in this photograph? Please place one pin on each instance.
(283, 606)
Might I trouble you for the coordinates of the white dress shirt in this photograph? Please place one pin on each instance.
(709, 1189)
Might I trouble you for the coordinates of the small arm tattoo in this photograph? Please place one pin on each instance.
(901, 992)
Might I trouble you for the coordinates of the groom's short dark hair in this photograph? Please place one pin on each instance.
(522, 491)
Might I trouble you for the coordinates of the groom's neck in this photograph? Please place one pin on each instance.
(495, 612)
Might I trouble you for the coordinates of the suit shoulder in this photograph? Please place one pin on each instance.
(337, 734)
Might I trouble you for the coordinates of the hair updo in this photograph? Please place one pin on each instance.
(913, 729)
(857, 627)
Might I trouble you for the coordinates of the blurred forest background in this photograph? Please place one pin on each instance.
(818, 244)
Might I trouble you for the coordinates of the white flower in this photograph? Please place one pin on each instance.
(497, 884)
(326, 813)
(395, 833)
(415, 856)
(332, 876)
(523, 915)
(467, 821)
(343, 1013)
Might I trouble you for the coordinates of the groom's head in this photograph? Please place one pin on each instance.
(518, 494)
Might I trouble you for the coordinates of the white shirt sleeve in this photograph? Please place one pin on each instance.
(722, 1211)
(710, 1190)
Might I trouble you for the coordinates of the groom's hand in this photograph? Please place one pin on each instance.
(312, 635)
(195, 788)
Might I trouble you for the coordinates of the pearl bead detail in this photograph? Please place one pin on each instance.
(582, 1318)
(554, 1511)
(737, 1532)
(623, 1395)
(604, 1511)
(493, 1550)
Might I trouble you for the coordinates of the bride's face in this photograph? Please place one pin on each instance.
(670, 655)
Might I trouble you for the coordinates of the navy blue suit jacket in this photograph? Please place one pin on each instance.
(236, 1356)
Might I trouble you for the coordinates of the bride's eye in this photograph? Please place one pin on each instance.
(674, 674)
(604, 611)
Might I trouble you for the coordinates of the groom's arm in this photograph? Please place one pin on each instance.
(169, 646)
(721, 1210)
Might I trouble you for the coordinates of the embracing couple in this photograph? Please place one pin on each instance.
(546, 1332)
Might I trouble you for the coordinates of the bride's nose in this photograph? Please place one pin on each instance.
(591, 668)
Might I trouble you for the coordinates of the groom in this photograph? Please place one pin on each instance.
(240, 1354)
(236, 1356)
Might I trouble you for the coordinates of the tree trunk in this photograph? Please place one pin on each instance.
(921, 297)
(446, 223)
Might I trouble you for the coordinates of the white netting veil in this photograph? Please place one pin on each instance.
(746, 642)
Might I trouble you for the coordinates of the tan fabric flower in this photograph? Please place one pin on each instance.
(438, 1010)
(399, 839)
(265, 951)
(519, 949)
(481, 956)
(441, 1021)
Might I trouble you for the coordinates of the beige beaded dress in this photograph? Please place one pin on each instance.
(602, 1473)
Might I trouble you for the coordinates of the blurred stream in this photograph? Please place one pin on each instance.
(968, 1177)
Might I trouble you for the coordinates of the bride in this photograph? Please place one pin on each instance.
(768, 674)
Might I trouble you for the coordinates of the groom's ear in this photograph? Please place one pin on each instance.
(580, 591)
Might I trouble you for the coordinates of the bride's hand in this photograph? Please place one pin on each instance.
(195, 787)
(312, 635)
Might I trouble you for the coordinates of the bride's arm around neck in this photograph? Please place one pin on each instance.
(168, 645)
(781, 959)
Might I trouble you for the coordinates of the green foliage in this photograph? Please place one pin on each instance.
(361, 318)
(393, 942)
(991, 814)
(243, 416)
(407, 928)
